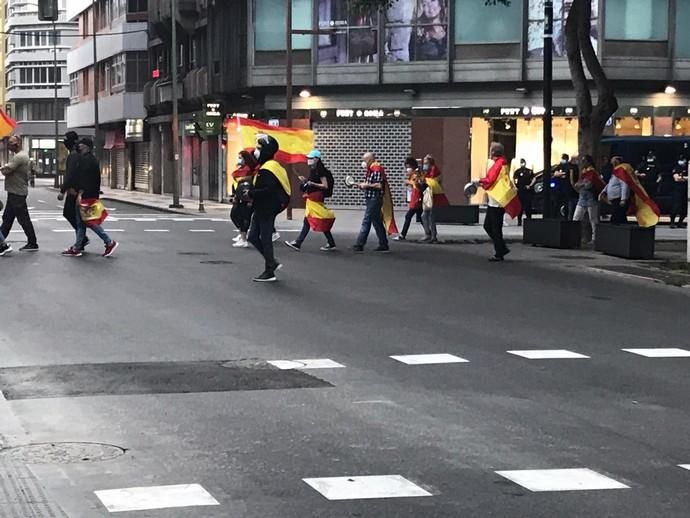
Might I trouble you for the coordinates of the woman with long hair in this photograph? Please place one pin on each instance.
(241, 213)
(588, 186)
(433, 198)
(431, 39)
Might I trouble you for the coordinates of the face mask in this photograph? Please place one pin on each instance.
(240, 161)
(365, 165)
(425, 167)
(257, 153)
(522, 164)
(409, 170)
(563, 162)
(680, 162)
(311, 162)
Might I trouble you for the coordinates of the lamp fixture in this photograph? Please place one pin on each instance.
(670, 90)
(305, 94)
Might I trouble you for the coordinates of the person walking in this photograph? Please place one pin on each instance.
(270, 195)
(679, 193)
(414, 196)
(89, 210)
(317, 216)
(373, 187)
(16, 173)
(433, 198)
(617, 193)
(493, 222)
(589, 186)
(68, 192)
(241, 212)
(524, 181)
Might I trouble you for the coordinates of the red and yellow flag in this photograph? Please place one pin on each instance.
(498, 185)
(387, 208)
(319, 217)
(92, 211)
(645, 209)
(7, 125)
(293, 143)
(433, 181)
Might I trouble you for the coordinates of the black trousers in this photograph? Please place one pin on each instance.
(619, 215)
(526, 202)
(16, 208)
(69, 211)
(241, 216)
(408, 219)
(305, 232)
(493, 225)
(261, 236)
(680, 205)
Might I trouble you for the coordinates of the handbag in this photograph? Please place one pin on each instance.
(428, 199)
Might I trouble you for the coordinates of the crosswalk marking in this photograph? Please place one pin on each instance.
(156, 230)
(548, 354)
(428, 359)
(201, 230)
(684, 466)
(155, 497)
(366, 487)
(316, 363)
(660, 352)
(578, 479)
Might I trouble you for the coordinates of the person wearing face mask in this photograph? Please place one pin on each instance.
(433, 198)
(565, 196)
(269, 195)
(317, 216)
(617, 192)
(679, 193)
(524, 181)
(648, 173)
(241, 213)
(414, 196)
(374, 188)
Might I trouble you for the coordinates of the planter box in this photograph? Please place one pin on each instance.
(628, 241)
(457, 215)
(552, 233)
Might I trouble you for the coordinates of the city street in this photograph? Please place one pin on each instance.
(165, 368)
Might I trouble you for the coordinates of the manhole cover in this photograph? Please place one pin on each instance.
(216, 262)
(62, 452)
(193, 253)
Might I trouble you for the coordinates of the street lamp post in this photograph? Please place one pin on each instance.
(548, 104)
(55, 105)
(175, 126)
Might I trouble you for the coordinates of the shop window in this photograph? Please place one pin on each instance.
(634, 127)
(269, 24)
(417, 30)
(561, 9)
(355, 38)
(681, 127)
(682, 23)
(477, 22)
(637, 20)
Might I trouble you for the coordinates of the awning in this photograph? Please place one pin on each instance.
(114, 140)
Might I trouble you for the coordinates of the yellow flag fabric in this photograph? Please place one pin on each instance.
(319, 217)
(294, 144)
(280, 173)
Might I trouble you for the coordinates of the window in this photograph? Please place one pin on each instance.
(41, 111)
(477, 22)
(137, 6)
(417, 30)
(535, 28)
(682, 22)
(355, 39)
(137, 71)
(269, 22)
(638, 20)
(74, 86)
(37, 73)
(86, 81)
(117, 71)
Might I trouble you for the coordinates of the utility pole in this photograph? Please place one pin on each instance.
(548, 104)
(55, 104)
(96, 81)
(288, 80)
(175, 126)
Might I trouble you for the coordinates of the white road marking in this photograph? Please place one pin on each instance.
(155, 497)
(315, 363)
(63, 230)
(428, 359)
(684, 466)
(366, 487)
(581, 479)
(201, 230)
(41, 201)
(145, 219)
(156, 230)
(114, 230)
(660, 352)
(548, 354)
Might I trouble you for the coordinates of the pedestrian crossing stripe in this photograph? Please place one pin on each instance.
(155, 497)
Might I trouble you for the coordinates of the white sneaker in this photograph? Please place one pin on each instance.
(276, 236)
(241, 244)
(237, 238)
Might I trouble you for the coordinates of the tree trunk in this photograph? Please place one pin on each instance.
(580, 51)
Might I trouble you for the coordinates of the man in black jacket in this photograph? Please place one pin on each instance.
(88, 187)
(269, 195)
(68, 191)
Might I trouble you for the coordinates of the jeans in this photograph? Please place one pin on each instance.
(372, 216)
(261, 236)
(572, 205)
(593, 212)
(408, 220)
(305, 231)
(429, 224)
(16, 208)
(81, 232)
(680, 206)
(68, 211)
(493, 225)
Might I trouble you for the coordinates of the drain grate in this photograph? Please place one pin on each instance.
(216, 262)
(61, 453)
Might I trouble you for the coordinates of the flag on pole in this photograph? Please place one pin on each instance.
(293, 143)
(645, 209)
(7, 125)
(499, 186)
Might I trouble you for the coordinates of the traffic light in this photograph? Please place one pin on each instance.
(48, 10)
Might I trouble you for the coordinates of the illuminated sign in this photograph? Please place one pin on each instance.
(510, 111)
(134, 130)
(371, 114)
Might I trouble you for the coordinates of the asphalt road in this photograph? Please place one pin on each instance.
(131, 351)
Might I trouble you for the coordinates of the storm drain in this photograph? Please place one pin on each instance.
(61, 453)
(120, 379)
(21, 495)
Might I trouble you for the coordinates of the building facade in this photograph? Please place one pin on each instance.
(113, 71)
(35, 64)
(444, 77)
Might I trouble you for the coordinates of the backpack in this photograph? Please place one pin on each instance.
(331, 183)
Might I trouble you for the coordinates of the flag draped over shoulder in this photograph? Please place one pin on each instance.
(645, 209)
(319, 217)
(387, 206)
(498, 185)
(7, 125)
(280, 173)
(433, 182)
(294, 144)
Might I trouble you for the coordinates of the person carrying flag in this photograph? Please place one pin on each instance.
(317, 216)
(432, 180)
(241, 213)
(625, 191)
(503, 199)
(270, 195)
(378, 205)
(589, 185)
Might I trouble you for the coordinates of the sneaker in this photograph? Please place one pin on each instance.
(293, 245)
(265, 277)
(4, 249)
(425, 240)
(327, 248)
(72, 252)
(241, 244)
(399, 238)
(29, 248)
(237, 238)
(495, 259)
(275, 237)
(358, 248)
(382, 249)
(109, 249)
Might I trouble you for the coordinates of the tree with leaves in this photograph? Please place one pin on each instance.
(581, 54)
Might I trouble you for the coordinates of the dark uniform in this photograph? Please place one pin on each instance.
(648, 173)
(523, 181)
(679, 194)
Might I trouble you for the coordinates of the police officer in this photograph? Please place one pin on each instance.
(524, 181)
(679, 193)
(648, 173)
(564, 178)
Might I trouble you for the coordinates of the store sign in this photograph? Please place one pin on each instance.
(369, 114)
(212, 120)
(187, 129)
(134, 130)
(511, 112)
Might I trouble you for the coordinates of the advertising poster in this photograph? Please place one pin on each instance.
(417, 30)
(561, 8)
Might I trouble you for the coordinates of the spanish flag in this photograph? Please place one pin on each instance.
(433, 181)
(7, 125)
(387, 208)
(319, 217)
(279, 172)
(645, 209)
(498, 185)
(92, 211)
(294, 144)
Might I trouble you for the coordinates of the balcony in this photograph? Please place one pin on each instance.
(161, 92)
